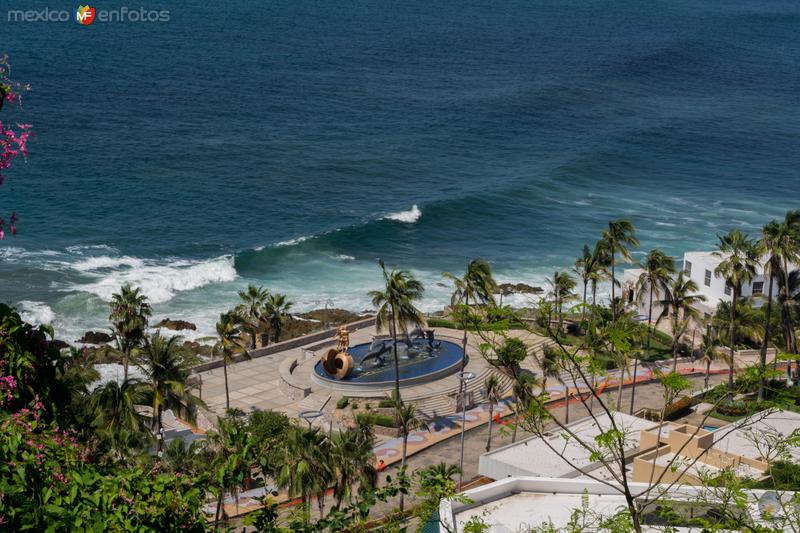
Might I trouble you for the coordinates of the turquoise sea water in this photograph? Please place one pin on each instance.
(292, 144)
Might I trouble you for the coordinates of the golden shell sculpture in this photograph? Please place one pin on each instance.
(337, 364)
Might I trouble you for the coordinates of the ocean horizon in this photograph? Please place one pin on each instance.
(291, 146)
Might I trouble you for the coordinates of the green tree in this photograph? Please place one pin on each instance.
(228, 345)
(306, 468)
(407, 421)
(708, 348)
(657, 269)
(166, 366)
(589, 268)
(772, 243)
(396, 309)
(680, 304)
(616, 239)
(435, 483)
(276, 309)
(232, 458)
(522, 393)
(251, 311)
(477, 286)
(510, 355)
(353, 463)
(740, 257)
(561, 287)
(129, 314)
(114, 416)
(494, 393)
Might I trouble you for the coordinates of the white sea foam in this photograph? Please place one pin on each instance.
(409, 217)
(79, 249)
(36, 312)
(159, 282)
(292, 242)
(344, 258)
(106, 262)
(667, 224)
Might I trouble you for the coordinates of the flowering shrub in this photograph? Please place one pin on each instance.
(29, 367)
(13, 137)
(48, 482)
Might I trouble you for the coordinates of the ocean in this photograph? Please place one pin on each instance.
(292, 144)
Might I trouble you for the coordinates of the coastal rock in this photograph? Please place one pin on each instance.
(203, 350)
(176, 325)
(95, 337)
(519, 288)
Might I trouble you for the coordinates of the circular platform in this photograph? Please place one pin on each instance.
(374, 369)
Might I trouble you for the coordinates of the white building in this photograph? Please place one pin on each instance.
(518, 504)
(699, 267)
(548, 457)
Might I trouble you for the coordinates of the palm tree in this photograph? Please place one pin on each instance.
(523, 393)
(407, 421)
(494, 393)
(787, 251)
(477, 286)
(276, 309)
(228, 344)
(617, 238)
(562, 285)
(789, 299)
(740, 259)
(306, 467)
(443, 470)
(396, 308)
(657, 271)
(353, 461)
(231, 459)
(585, 267)
(602, 262)
(114, 406)
(128, 317)
(708, 348)
(117, 424)
(776, 243)
(680, 305)
(250, 311)
(167, 368)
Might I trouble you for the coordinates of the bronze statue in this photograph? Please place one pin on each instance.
(336, 361)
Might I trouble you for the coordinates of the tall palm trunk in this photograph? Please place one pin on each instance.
(461, 383)
(219, 507)
(125, 364)
(566, 403)
(583, 309)
(225, 372)
(708, 371)
(491, 413)
(393, 328)
(403, 465)
(676, 340)
(761, 381)
(646, 350)
(613, 292)
(619, 387)
(732, 337)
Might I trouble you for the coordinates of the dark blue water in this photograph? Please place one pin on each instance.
(179, 155)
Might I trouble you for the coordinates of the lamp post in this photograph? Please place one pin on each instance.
(310, 416)
(464, 378)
